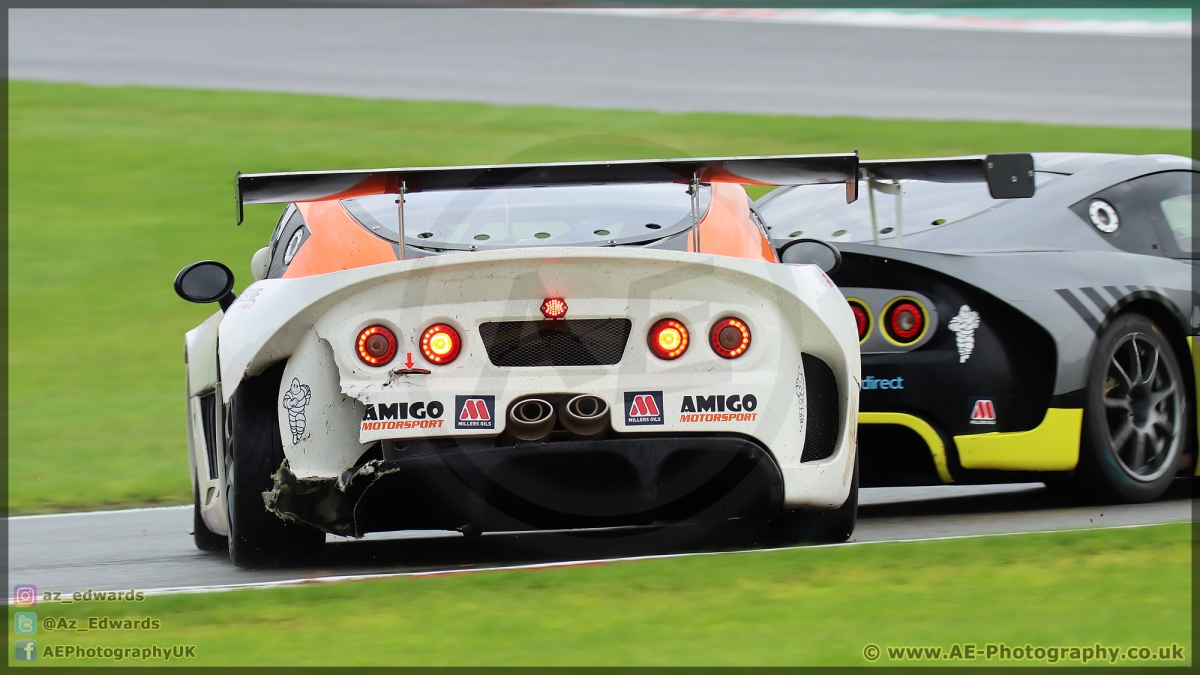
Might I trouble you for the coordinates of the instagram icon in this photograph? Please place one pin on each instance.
(24, 596)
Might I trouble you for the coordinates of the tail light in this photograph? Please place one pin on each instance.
(440, 344)
(904, 321)
(668, 339)
(730, 338)
(554, 308)
(862, 318)
(376, 346)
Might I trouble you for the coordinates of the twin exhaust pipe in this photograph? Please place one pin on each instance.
(532, 419)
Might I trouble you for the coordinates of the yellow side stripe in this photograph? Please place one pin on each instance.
(926, 432)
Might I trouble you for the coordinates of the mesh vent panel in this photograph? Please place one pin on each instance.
(581, 342)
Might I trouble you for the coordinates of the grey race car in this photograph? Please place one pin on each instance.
(1042, 339)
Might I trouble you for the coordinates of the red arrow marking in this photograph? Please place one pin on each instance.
(409, 362)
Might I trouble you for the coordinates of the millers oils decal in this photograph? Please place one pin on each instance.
(643, 408)
(417, 415)
(474, 412)
(983, 411)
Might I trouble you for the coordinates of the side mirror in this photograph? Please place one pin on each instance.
(260, 263)
(811, 252)
(206, 281)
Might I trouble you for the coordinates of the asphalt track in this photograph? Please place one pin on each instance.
(151, 549)
(616, 61)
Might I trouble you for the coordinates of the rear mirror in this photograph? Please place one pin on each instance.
(206, 281)
(811, 252)
(260, 263)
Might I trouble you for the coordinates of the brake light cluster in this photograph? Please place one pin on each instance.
(376, 345)
(903, 322)
(862, 318)
(729, 338)
(440, 344)
(668, 339)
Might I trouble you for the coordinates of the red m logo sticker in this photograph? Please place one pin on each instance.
(643, 406)
(983, 410)
(474, 409)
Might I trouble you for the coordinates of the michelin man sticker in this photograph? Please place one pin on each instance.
(964, 325)
(294, 401)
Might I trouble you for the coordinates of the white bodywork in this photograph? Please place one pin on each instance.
(314, 321)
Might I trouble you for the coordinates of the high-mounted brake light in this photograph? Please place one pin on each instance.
(904, 320)
(668, 339)
(376, 346)
(554, 308)
(730, 338)
(862, 318)
(440, 344)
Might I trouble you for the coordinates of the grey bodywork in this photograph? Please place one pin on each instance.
(1041, 258)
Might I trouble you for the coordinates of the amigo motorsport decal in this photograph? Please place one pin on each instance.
(714, 408)
(416, 415)
(474, 412)
(643, 408)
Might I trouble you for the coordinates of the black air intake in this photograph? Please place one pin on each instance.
(579, 342)
(208, 418)
(822, 412)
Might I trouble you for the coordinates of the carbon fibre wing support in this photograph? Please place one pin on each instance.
(278, 188)
(1008, 176)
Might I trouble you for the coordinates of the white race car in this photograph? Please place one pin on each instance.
(522, 346)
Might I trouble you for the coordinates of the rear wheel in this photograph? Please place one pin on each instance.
(825, 527)
(1134, 421)
(258, 537)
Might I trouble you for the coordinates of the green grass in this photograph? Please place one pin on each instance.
(113, 189)
(816, 606)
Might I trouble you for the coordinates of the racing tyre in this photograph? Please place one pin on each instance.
(824, 527)
(1134, 418)
(258, 537)
(206, 539)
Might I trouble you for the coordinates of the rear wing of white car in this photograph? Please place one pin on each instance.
(301, 186)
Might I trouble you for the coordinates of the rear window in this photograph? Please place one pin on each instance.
(600, 215)
(821, 211)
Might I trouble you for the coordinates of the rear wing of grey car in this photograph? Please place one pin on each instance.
(278, 188)
(1008, 175)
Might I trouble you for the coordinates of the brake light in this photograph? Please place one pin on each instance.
(905, 320)
(668, 339)
(440, 344)
(862, 318)
(554, 308)
(730, 338)
(376, 346)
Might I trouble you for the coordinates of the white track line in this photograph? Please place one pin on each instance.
(99, 513)
(187, 590)
(886, 19)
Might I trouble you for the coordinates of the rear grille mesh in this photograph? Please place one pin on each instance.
(823, 413)
(578, 342)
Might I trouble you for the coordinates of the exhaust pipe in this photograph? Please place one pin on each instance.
(530, 419)
(585, 415)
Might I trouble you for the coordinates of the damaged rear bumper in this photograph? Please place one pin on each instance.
(462, 483)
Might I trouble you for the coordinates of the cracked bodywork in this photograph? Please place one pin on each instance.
(328, 504)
